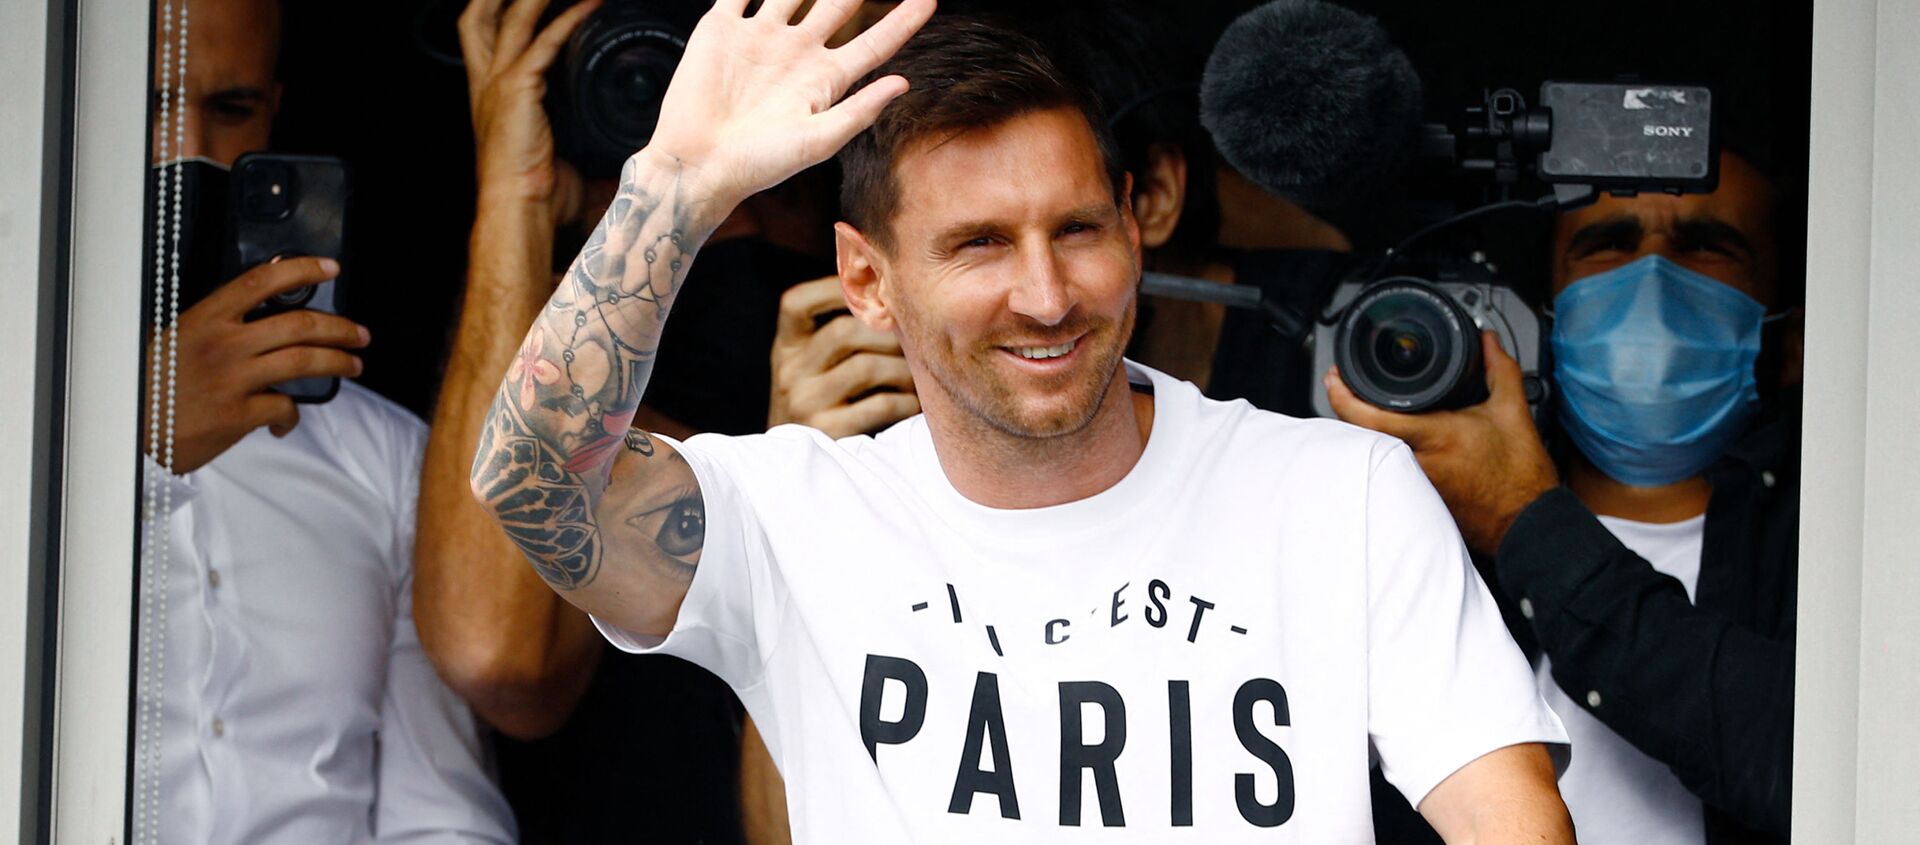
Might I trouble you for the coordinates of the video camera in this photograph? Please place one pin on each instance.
(1410, 341)
(1330, 121)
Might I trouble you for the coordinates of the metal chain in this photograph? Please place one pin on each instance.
(155, 563)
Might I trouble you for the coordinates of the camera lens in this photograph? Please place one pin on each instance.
(618, 65)
(1404, 349)
(1405, 345)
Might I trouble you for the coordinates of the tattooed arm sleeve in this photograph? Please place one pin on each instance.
(608, 516)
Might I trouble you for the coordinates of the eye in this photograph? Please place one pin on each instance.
(1079, 228)
(679, 528)
(685, 529)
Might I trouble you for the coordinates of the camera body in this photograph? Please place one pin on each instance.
(1411, 343)
(604, 93)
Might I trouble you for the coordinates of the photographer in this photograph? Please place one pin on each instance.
(1656, 561)
(297, 703)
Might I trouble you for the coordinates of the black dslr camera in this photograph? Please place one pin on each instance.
(604, 93)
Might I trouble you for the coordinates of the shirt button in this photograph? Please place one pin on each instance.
(219, 728)
(1766, 477)
(213, 577)
(1526, 608)
(1593, 698)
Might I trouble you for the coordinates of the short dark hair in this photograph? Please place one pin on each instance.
(1143, 68)
(963, 74)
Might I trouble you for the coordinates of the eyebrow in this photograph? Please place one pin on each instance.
(1688, 233)
(970, 229)
(1701, 231)
(1622, 228)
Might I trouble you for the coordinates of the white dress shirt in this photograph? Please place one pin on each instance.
(299, 706)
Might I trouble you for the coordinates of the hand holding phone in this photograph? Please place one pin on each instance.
(228, 359)
(290, 206)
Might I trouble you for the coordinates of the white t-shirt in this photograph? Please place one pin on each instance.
(1204, 652)
(1617, 794)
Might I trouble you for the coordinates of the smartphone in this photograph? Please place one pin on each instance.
(289, 206)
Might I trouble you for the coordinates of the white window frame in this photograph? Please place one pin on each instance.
(67, 526)
(1858, 650)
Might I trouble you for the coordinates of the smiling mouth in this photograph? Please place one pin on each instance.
(1042, 353)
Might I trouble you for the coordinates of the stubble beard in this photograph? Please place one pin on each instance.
(982, 392)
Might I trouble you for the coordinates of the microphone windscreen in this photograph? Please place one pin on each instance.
(1312, 102)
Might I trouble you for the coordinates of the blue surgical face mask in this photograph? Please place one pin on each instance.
(1654, 364)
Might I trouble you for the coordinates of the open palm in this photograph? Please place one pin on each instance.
(758, 99)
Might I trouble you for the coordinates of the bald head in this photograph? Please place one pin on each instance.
(232, 87)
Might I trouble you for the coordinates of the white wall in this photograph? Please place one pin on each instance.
(1859, 627)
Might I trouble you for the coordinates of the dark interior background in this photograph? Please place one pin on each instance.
(359, 84)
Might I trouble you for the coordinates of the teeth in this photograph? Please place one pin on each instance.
(1043, 352)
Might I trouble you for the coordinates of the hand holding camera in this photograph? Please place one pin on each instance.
(228, 365)
(832, 372)
(1486, 460)
(506, 63)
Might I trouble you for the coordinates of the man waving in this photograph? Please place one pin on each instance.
(1073, 599)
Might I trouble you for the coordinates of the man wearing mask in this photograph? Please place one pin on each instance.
(297, 703)
(1655, 564)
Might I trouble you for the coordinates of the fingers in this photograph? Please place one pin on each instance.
(858, 374)
(882, 40)
(261, 283)
(516, 27)
(301, 362)
(839, 124)
(278, 412)
(302, 328)
(840, 339)
(729, 8)
(804, 302)
(1353, 409)
(1504, 379)
(827, 16)
(477, 26)
(545, 47)
(870, 414)
(777, 11)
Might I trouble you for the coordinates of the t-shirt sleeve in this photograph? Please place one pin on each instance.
(1446, 682)
(727, 623)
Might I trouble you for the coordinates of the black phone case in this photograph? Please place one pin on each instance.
(306, 215)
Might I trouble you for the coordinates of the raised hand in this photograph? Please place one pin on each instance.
(838, 376)
(756, 99)
(228, 365)
(753, 101)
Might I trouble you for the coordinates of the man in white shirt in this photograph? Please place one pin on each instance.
(1073, 600)
(297, 704)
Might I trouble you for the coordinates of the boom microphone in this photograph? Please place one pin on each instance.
(1312, 102)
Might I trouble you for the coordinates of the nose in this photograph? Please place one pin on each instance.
(1042, 293)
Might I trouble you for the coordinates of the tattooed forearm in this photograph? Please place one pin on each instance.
(565, 407)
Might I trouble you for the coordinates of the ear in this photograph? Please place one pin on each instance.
(1159, 194)
(863, 272)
